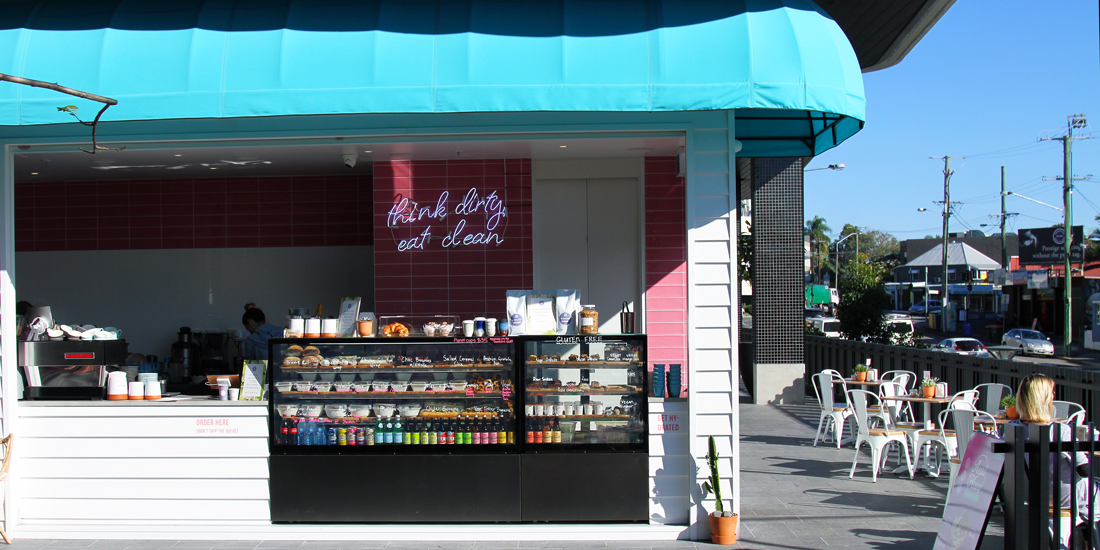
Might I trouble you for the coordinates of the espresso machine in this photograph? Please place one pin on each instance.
(68, 369)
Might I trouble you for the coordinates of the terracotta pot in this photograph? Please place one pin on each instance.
(1011, 413)
(860, 376)
(723, 530)
(929, 391)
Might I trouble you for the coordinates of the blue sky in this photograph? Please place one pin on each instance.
(988, 80)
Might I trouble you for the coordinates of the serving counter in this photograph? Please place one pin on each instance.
(124, 462)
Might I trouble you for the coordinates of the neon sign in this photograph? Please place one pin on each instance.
(407, 213)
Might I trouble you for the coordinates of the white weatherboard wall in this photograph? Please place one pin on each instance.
(669, 462)
(712, 347)
(151, 463)
(149, 294)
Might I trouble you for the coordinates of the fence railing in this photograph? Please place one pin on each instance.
(961, 372)
(1031, 464)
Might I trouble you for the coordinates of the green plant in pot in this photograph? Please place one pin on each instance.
(723, 524)
(1009, 404)
(928, 386)
(860, 373)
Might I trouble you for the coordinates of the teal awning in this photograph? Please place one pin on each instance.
(784, 65)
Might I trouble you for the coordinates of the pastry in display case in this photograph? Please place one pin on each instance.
(584, 391)
(391, 395)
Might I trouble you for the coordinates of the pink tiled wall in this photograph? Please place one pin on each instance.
(466, 280)
(666, 265)
(193, 213)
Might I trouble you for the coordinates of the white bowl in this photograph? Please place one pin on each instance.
(311, 411)
(384, 409)
(410, 409)
(322, 386)
(284, 386)
(362, 386)
(360, 411)
(303, 385)
(419, 386)
(287, 411)
(336, 411)
(458, 385)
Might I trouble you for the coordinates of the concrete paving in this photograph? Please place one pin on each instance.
(795, 495)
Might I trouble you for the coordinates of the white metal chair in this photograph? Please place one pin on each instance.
(1066, 409)
(993, 393)
(966, 399)
(833, 416)
(876, 438)
(1077, 419)
(906, 379)
(962, 420)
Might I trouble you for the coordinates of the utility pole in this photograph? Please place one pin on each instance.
(947, 173)
(1004, 242)
(1073, 121)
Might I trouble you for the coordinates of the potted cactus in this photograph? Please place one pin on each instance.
(928, 386)
(1009, 403)
(860, 373)
(723, 524)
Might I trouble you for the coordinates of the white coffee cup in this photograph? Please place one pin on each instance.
(529, 410)
(491, 327)
(570, 410)
(152, 389)
(234, 394)
(539, 410)
(137, 390)
(559, 409)
(597, 408)
(468, 327)
(588, 409)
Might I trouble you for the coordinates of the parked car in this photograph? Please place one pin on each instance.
(962, 346)
(829, 325)
(1029, 341)
(901, 328)
(812, 312)
(926, 307)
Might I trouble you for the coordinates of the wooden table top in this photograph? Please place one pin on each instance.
(858, 383)
(919, 399)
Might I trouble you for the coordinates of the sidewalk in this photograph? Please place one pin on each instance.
(795, 495)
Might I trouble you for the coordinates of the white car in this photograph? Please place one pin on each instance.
(829, 325)
(1029, 341)
(962, 346)
(901, 329)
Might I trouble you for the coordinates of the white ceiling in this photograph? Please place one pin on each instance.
(198, 160)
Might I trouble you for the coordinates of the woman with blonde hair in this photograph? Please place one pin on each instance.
(1035, 402)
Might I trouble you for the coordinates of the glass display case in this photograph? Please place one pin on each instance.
(391, 395)
(584, 392)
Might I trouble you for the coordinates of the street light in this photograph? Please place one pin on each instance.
(837, 243)
(1034, 201)
(837, 167)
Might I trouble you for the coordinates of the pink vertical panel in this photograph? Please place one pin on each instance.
(666, 266)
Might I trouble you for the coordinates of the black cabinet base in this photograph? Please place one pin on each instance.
(601, 487)
(395, 489)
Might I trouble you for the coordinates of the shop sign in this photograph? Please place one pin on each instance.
(666, 423)
(214, 426)
(1037, 279)
(1047, 245)
(480, 221)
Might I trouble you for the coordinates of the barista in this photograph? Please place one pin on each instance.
(255, 346)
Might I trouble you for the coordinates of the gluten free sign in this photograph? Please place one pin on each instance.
(479, 223)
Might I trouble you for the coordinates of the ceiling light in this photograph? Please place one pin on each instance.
(563, 146)
(213, 168)
(366, 151)
(177, 155)
(34, 173)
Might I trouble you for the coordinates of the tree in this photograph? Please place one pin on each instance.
(745, 253)
(862, 301)
(71, 109)
(817, 230)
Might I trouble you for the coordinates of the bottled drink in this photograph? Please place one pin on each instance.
(492, 433)
(332, 435)
(380, 431)
(368, 437)
(398, 431)
(502, 435)
(538, 431)
(361, 436)
(468, 432)
(557, 430)
(414, 427)
(351, 435)
(433, 437)
(547, 432)
(425, 439)
(387, 436)
(290, 434)
(530, 427)
(341, 436)
(450, 431)
(317, 431)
